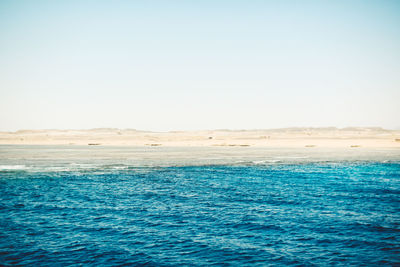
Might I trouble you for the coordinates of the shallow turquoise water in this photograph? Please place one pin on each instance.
(109, 211)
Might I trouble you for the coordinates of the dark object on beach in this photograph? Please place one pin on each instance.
(210, 137)
(397, 139)
(93, 144)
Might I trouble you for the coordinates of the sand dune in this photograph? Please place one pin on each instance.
(353, 137)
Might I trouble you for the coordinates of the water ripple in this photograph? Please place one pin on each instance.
(276, 214)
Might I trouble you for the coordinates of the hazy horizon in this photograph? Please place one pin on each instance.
(176, 65)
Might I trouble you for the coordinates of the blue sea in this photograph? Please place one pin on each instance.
(67, 205)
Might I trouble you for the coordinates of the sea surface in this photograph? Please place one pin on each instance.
(70, 205)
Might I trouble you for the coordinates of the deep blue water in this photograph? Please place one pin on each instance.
(279, 214)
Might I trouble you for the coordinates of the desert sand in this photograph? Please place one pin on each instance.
(351, 137)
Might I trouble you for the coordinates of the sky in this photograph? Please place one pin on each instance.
(191, 65)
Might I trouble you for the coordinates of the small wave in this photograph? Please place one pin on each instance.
(114, 166)
(267, 161)
(83, 165)
(12, 167)
(120, 167)
(71, 167)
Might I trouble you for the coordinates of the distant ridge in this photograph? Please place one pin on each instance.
(287, 129)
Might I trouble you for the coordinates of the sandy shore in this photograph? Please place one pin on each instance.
(288, 137)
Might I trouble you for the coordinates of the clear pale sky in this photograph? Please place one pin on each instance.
(186, 65)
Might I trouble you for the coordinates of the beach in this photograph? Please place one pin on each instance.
(330, 137)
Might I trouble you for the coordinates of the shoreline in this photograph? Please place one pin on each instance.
(274, 138)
